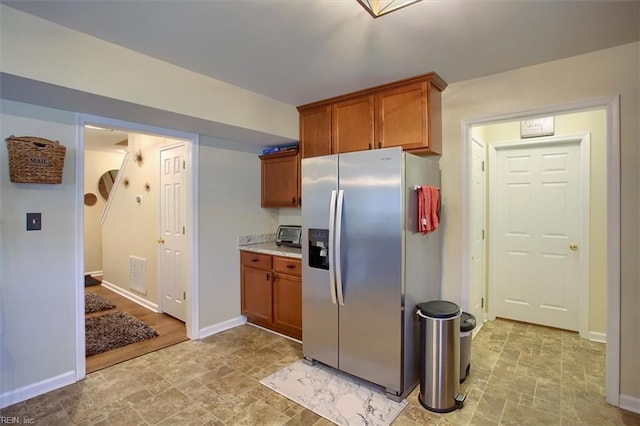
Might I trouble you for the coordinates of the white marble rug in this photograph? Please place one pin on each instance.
(335, 396)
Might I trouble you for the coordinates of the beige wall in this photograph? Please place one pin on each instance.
(37, 278)
(95, 164)
(289, 216)
(229, 206)
(594, 123)
(131, 228)
(603, 73)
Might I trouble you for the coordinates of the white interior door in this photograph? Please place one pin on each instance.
(535, 225)
(173, 240)
(477, 230)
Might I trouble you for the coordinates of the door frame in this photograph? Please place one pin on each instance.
(466, 296)
(584, 142)
(192, 146)
(611, 105)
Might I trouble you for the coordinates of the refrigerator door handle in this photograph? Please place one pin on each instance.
(332, 227)
(338, 258)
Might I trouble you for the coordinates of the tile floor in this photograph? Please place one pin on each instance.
(520, 374)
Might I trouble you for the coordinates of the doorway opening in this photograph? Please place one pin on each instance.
(610, 175)
(126, 254)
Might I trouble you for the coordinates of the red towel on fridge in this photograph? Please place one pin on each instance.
(435, 207)
(428, 208)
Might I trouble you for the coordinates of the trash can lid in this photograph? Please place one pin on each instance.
(439, 309)
(467, 322)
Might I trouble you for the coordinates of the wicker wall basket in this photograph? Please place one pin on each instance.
(35, 160)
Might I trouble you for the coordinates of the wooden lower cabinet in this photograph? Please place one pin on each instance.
(287, 309)
(257, 297)
(271, 292)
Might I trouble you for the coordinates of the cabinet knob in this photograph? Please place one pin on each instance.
(293, 201)
(379, 144)
(290, 266)
(268, 277)
(255, 259)
(370, 146)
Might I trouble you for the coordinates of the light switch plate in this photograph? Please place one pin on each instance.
(34, 221)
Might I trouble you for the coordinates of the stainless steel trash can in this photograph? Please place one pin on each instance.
(467, 324)
(440, 356)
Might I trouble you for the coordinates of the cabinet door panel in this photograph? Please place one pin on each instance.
(287, 306)
(315, 131)
(402, 118)
(280, 180)
(256, 294)
(353, 125)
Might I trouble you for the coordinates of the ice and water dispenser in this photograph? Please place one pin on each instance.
(319, 248)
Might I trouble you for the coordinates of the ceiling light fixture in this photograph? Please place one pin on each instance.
(89, 126)
(381, 7)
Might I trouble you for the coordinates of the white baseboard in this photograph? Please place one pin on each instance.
(36, 389)
(221, 326)
(93, 273)
(595, 336)
(477, 329)
(131, 296)
(630, 403)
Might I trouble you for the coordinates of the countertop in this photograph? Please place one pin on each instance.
(273, 249)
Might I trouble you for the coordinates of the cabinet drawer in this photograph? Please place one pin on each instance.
(255, 260)
(287, 265)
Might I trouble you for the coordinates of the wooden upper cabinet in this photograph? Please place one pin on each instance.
(353, 125)
(281, 179)
(404, 113)
(402, 117)
(315, 131)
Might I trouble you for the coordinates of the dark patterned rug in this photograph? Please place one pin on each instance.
(114, 330)
(93, 302)
(90, 281)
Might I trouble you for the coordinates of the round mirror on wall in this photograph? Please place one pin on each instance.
(106, 183)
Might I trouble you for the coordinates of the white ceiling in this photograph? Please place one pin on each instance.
(300, 51)
(104, 140)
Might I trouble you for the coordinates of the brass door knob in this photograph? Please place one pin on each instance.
(161, 240)
(573, 247)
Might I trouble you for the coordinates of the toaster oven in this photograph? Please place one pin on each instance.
(289, 235)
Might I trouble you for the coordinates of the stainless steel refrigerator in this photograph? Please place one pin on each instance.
(365, 266)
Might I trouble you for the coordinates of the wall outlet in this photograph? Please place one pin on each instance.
(34, 221)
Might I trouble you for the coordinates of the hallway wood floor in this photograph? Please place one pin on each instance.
(171, 331)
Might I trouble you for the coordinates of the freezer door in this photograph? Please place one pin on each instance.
(319, 309)
(372, 266)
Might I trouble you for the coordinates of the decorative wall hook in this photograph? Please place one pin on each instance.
(137, 157)
(147, 187)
